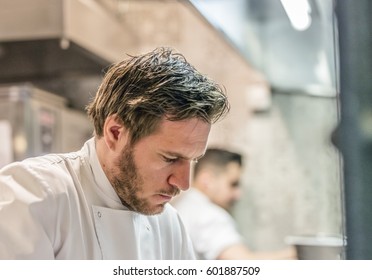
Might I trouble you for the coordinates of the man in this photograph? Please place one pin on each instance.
(204, 209)
(152, 115)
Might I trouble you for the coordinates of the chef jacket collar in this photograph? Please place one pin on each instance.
(103, 184)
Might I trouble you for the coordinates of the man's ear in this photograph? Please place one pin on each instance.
(114, 132)
(205, 180)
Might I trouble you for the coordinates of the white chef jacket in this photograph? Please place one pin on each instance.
(62, 206)
(211, 228)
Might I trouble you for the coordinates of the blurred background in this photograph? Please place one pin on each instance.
(297, 74)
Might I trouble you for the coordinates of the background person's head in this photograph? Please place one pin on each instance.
(217, 174)
(152, 116)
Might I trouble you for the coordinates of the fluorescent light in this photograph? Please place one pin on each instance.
(298, 12)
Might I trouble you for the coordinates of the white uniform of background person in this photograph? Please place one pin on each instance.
(211, 228)
(84, 218)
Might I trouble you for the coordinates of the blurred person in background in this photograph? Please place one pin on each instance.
(205, 208)
(152, 116)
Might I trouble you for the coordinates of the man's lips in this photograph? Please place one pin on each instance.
(164, 197)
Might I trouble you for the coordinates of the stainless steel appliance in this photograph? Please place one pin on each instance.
(35, 122)
(318, 247)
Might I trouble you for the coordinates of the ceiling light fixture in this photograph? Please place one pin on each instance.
(298, 12)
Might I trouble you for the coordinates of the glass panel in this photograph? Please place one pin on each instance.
(292, 183)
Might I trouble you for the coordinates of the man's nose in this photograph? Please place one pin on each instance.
(180, 176)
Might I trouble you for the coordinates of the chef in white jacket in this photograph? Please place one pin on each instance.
(152, 116)
(205, 210)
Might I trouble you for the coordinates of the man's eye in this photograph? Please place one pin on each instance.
(235, 184)
(170, 160)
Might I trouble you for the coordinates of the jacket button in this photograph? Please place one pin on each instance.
(99, 214)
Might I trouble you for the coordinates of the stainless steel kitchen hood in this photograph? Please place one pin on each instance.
(59, 45)
(86, 23)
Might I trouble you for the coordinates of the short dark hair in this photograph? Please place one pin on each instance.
(217, 158)
(144, 89)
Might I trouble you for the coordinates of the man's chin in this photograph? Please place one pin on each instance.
(154, 210)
